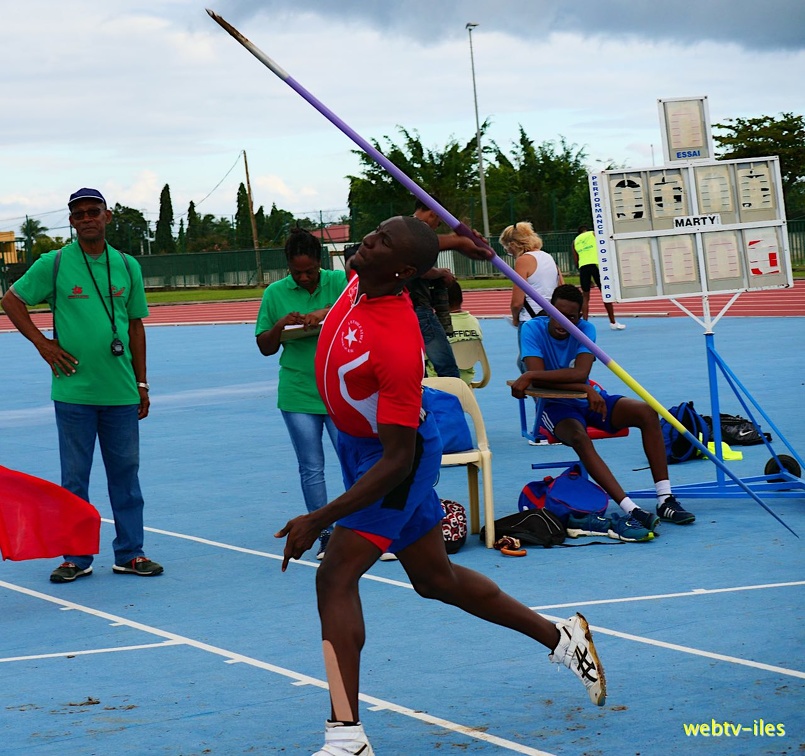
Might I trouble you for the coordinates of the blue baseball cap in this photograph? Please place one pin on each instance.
(85, 193)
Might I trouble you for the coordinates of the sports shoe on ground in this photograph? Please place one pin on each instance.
(387, 556)
(67, 572)
(589, 525)
(617, 326)
(138, 566)
(324, 539)
(648, 520)
(672, 511)
(576, 651)
(628, 529)
(342, 740)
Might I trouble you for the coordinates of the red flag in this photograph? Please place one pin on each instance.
(39, 519)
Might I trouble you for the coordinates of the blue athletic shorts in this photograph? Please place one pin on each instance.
(413, 508)
(555, 412)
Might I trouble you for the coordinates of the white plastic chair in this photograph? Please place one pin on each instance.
(476, 459)
(468, 354)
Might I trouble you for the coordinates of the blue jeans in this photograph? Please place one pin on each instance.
(306, 433)
(437, 347)
(119, 437)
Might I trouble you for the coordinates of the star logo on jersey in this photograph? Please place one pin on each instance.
(352, 337)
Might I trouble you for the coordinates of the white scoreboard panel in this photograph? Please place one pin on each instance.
(685, 128)
(687, 229)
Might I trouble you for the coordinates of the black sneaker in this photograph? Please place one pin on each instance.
(139, 566)
(68, 572)
(671, 511)
(648, 520)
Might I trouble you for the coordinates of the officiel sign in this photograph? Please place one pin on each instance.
(697, 221)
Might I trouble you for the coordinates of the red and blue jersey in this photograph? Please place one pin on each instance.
(370, 362)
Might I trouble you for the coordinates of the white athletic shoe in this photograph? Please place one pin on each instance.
(340, 740)
(617, 326)
(387, 556)
(576, 651)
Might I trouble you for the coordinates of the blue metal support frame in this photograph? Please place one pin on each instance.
(782, 484)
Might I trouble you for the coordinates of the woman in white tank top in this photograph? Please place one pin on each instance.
(533, 264)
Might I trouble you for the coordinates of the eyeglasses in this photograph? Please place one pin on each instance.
(93, 212)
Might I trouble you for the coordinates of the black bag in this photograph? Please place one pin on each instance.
(536, 527)
(738, 431)
(454, 525)
(678, 448)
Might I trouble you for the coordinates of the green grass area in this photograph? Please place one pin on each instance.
(177, 296)
(218, 295)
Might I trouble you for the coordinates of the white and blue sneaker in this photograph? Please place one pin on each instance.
(624, 528)
(343, 740)
(588, 525)
(576, 651)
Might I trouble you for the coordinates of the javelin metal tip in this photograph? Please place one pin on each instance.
(224, 24)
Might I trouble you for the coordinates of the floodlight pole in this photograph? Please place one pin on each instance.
(469, 27)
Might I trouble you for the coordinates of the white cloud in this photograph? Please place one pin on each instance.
(133, 96)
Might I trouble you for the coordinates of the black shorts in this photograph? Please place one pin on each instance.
(588, 274)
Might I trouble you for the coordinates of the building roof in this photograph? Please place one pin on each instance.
(336, 233)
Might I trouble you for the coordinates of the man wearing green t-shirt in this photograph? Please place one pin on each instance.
(97, 357)
(585, 252)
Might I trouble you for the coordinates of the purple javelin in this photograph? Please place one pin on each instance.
(464, 230)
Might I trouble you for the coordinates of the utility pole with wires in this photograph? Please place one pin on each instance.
(257, 257)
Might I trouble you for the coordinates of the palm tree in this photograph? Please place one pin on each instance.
(32, 230)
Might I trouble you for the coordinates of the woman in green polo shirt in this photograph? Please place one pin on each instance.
(289, 316)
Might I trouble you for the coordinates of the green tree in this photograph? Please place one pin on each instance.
(31, 230)
(765, 136)
(44, 244)
(163, 238)
(128, 230)
(243, 221)
(273, 228)
(214, 234)
(450, 174)
(181, 238)
(193, 229)
(545, 184)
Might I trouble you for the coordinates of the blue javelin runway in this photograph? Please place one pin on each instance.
(221, 654)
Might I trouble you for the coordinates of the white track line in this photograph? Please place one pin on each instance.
(91, 651)
(264, 554)
(376, 704)
(694, 651)
(602, 630)
(653, 597)
(405, 584)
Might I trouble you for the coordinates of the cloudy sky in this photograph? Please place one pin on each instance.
(129, 96)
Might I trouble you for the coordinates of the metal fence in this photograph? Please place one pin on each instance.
(235, 268)
(239, 267)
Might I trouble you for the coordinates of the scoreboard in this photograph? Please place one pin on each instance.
(693, 226)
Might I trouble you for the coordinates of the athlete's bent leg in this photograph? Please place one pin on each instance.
(434, 576)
